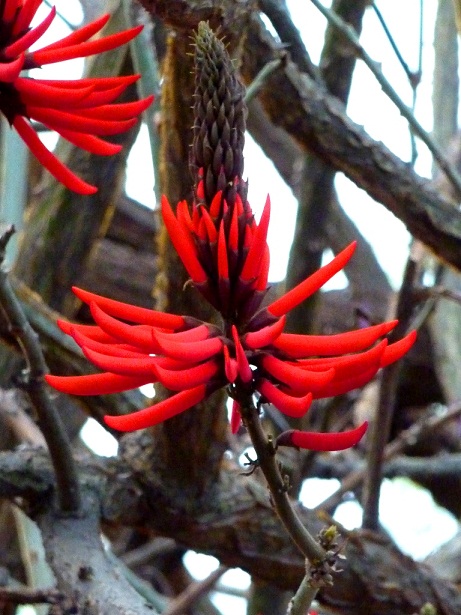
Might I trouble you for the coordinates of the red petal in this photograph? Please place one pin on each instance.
(10, 71)
(130, 312)
(322, 441)
(347, 366)
(62, 173)
(81, 34)
(184, 245)
(243, 366)
(141, 366)
(95, 384)
(216, 204)
(311, 284)
(396, 350)
(223, 263)
(158, 413)
(230, 366)
(196, 334)
(90, 143)
(257, 248)
(299, 380)
(25, 16)
(34, 92)
(236, 417)
(340, 387)
(139, 336)
(300, 346)
(266, 335)
(98, 83)
(30, 37)
(292, 406)
(188, 351)
(117, 111)
(111, 349)
(72, 121)
(82, 50)
(91, 331)
(178, 380)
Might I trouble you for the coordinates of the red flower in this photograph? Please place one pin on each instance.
(80, 110)
(226, 255)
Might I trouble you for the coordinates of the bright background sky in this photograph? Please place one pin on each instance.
(408, 512)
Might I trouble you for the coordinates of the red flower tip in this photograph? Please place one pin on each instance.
(322, 441)
(236, 417)
(243, 366)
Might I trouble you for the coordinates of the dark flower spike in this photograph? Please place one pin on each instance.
(79, 110)
(225, 253)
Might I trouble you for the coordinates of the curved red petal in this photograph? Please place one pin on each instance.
(301, 381)
(139, 336)
(157, 413)
(257, 247)
(301, 346)
(295, 407)
(61, 51)
(130, 312)
(265, 336)
(9, 71)
(188, 351)
(95, 384)
(183, 243)
(30, 37)
(396, 350)
(62, 173)
(236, 417)
(178, 380)
(336, 441)
(141, 366)
(311, 284)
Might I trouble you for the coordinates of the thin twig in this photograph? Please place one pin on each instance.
(302, 600)
(261, 78)
(278, 487)
(420, 429)
(265, 452)
(409, 73)
(194, 592)
(382, 422)
(68, 489)
(351, 36)
(28, 595)
(280, 18)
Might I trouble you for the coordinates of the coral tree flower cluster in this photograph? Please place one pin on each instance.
(83, 110)
(226, 255)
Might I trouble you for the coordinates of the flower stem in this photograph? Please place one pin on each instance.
(306, 543)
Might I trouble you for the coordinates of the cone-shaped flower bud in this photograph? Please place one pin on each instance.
(219, 128)
(83, 110)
